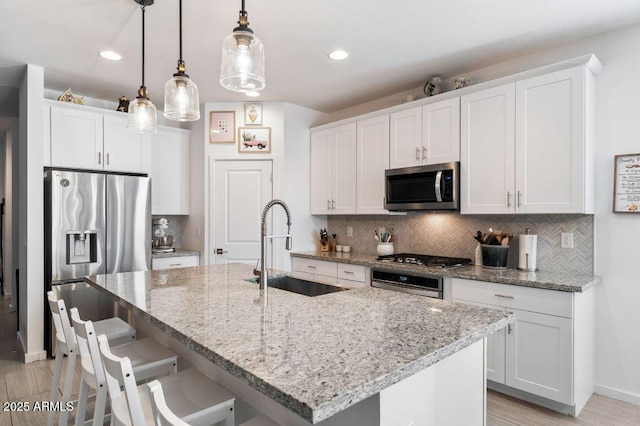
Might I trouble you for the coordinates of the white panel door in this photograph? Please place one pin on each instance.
(124, 150)
(406, 138)
(487, 154)
(320, 170)
(441, 132)
(372, 160)
(170, 172)
(539, 356)
(240, 190)
(343, 170)
(76, 138)
(550, 143)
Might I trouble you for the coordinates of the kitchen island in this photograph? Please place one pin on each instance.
(351, 357)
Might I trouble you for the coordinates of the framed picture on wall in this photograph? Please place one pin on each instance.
(222, 127)
(254, 139)
(626, 188)
(253, 114)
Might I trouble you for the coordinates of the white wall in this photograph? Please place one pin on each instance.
(617, 242)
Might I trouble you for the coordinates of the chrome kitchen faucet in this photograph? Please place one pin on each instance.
(262, 273)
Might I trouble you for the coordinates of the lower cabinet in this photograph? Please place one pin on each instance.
(327, 272)
(174, 262)
(549, 351)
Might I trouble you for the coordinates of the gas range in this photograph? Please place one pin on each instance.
(424, 260)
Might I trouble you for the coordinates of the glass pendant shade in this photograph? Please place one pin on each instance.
(143, 117)
(181, 99)
(242, 66)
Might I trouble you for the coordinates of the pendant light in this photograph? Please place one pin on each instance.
(142, 112)
(181, 100)
(242, 66)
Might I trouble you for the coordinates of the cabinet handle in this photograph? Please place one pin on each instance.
(311, 266)
(519, 195)
(508, 199)
(107, 158)
(349, 272)
(504, 296)
(99, 158)
(328, 204)
(175, 264)
(509, 329)
(418, 154)
(333, 204)
(424, 153)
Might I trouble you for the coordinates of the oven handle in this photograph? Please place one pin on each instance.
(420, 291)
(438, 190)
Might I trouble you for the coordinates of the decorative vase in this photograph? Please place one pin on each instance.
(384, 249)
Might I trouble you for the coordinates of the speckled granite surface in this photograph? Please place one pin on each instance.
(314, 355)
(546, 280)
(176, 253)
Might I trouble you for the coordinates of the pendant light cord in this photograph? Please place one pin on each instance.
(143, 9)
(180, 15)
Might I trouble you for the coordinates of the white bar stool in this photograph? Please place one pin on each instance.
(114, 328)
(193, 398)
(149, 359)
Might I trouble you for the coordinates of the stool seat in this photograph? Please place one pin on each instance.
(260, 420)
(116, 330)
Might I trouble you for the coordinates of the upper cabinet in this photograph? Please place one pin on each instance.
(372, 159)
(527, 146)
(169, 171)
(426, 135)
(333, 170)
(88, 138)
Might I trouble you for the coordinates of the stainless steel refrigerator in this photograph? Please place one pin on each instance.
(95, 223)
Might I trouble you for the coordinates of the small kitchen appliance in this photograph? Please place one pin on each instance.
(162, 241)
(431, 187)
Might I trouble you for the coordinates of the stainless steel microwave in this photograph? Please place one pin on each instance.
(432, 187)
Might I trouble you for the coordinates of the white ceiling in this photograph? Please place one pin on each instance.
(394, 45)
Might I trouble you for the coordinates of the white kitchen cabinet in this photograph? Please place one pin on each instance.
(527, 147)
(333, 170)
(94, 139)
(328, 272)
(372, 159)
(46, 136)
(406, 138)
(170, 171)
(548, 352)
(174, 262)
(441, 132)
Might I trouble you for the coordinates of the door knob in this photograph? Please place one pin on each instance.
(221, 251)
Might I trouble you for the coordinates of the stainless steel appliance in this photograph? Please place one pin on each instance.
(95, 223)
(414, 282)
(432, 187)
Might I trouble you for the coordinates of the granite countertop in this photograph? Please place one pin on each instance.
(176, 253)
(560, 281)
(314, 355)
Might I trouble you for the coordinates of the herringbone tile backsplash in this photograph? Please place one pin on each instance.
(451, 234)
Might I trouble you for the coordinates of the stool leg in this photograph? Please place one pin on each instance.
(231, 416)
(82, 403)
(55, 386)
(68, 382)
(101, 402)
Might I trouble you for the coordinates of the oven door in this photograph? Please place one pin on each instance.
(422, 285)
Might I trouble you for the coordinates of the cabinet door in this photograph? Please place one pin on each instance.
(550, 143)
(76, 138)
(124, 151)
(441, 132)
(343, 200)
(406, 138)
(174, 262)
(372, 160)
(320, 172)
(539, 356)
(487, 151)
(169, 172)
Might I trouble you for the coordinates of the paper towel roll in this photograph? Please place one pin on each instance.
(528, 252)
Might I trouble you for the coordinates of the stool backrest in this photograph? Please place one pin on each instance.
(162, 415)
(61, 320)
(118, 371)
(87, 342)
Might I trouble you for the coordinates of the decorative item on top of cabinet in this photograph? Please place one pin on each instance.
(67, 96)
(626, 191)
(123, 104)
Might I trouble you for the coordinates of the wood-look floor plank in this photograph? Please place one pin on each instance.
(33, 417)
(29, 379)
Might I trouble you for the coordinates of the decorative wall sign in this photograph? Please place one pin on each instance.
(222, 127)
(253, 114)
(254, 139)
(626, 186)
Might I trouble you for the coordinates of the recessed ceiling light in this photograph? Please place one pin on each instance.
(110, 55)
(339, 55)
(252, 94)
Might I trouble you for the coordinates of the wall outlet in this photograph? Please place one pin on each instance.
(566, 240)
(349, 231)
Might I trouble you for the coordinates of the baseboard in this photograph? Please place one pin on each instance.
(534, 399)
(33, 356)
(617, 394)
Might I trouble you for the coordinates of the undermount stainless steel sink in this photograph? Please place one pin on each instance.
(304, 287)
